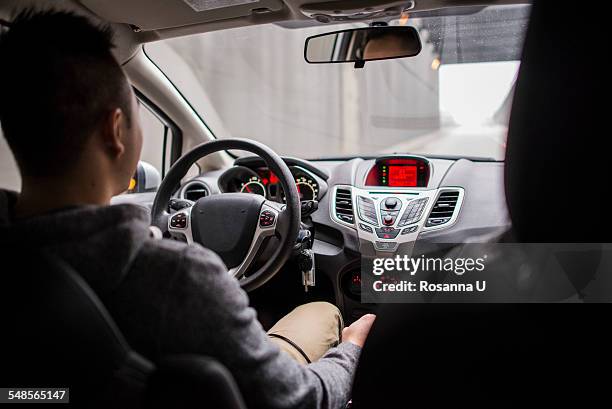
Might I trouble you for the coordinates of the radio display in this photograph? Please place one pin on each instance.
(399, 172)
(400, 176)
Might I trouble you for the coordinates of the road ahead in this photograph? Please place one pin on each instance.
(480, 141)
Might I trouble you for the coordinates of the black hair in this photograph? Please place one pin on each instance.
(58, 81)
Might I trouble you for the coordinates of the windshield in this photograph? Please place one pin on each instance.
(452, 99)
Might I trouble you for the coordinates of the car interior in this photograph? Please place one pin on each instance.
(345, 174)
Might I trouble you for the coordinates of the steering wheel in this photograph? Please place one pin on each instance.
(234, 225)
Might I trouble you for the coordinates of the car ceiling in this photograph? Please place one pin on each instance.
(157, 19)
(141, 21)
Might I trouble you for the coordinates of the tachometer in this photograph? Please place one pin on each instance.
(307, 188)
(253, 185)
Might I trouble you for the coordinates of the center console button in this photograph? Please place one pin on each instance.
(385, 245)
(392, 213)
(367, 210)
(391, 203)
(365, 227)
(409, 230)
(387, 233)
(388, 220)
(414, 211)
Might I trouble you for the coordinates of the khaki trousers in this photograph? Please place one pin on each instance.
(309, 331)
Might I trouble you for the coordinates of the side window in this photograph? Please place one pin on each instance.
(156, 140)
(161, 141)
(9, 174)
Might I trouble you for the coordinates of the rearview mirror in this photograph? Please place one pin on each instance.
(362, 44)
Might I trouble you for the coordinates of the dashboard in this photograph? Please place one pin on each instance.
(378, 206)
(373, 207)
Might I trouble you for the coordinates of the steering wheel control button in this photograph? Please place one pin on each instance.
(179, 221)
(409, 230)
(178, 204)
(388, 233)
(367, 210)
(385, 245)
(266, 218)
(365, 227)
(413, 212)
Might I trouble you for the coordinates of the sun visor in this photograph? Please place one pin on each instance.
(207, 5)
(160, 14)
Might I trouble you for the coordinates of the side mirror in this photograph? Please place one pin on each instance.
(362, 44)
(146, 179)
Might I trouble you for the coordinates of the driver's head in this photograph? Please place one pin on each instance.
(66, 106)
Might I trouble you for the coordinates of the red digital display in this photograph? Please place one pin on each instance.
(399, 172)
(267, 177)
(402, 176)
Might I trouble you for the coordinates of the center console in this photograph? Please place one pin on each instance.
(387, 204)
(394, 203)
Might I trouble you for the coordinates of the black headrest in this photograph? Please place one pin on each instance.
(61, 334)
(57, 333)
(558, 156)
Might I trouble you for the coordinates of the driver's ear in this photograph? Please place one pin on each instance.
(114, 132)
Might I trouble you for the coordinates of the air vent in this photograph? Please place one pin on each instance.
(444, 208)
(343, 206)
(194, 191)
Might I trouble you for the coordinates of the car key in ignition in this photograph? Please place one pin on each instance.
(306, 262)
(305, 259)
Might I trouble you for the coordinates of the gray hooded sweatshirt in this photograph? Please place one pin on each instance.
(168, 297)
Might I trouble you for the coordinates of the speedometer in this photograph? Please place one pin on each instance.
(253, 185)
(307, 188)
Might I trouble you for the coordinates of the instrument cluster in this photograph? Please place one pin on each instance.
(262, 181)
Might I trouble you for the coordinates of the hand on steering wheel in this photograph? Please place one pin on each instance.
(234, 225)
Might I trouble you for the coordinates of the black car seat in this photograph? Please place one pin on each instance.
(557, 170)
(56, 333)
